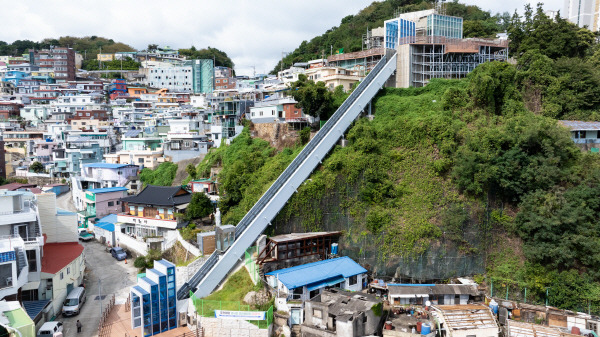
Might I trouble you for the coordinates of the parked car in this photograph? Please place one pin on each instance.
(50, 328)
(74, 301)
(118, 253)
(84, 235)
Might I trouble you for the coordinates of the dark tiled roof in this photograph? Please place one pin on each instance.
(160, 196)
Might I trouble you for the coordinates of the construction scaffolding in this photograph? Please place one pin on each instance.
(439, 57)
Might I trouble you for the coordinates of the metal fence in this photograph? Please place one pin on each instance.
(206, 308)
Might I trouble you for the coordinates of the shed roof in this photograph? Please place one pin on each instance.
(522, 329)
(107, 165)
(467, 317)
(316, 272)
(581, 126)
(107, 190)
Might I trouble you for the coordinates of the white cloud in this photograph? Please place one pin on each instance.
(252, 33)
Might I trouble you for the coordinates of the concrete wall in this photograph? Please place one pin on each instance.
(215, 327)
(57, 227)
(403, 66)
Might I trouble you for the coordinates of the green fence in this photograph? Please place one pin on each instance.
(251, 265)
(206, 308)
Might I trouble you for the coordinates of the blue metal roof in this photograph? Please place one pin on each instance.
(106, 165)
(107, 226)
(33, 308)
(107, 190)
(320, 271)
(111, 218)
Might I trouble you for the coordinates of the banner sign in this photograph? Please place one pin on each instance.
(245, 315)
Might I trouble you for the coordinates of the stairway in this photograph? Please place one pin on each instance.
(258, 218)
(21, 260)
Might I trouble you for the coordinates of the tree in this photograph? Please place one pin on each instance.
(36, 167)
(314, 98)
(200, 206)
(152, 48)
(221, 58)
(191, 171)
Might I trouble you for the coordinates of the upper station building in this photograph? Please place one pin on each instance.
(431, 45)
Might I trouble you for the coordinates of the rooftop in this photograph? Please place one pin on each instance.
(467, 317)
(161, 196)
(107, 165)
(301, 236)
(522, 329)
(59, 255)
(107, 190)
(581, 126)
(318, 272)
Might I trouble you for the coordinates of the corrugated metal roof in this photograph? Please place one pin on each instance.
(33, 308)
(107, 190)
(319, 271)
(106, 165)
(581, 126)
(111, 218)
(107, 226)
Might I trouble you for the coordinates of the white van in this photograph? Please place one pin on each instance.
(50, 329)
(74, 301)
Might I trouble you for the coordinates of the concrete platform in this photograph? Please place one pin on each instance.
(119, 324)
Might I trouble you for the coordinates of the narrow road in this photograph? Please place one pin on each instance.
(65, 201)
(116, 277)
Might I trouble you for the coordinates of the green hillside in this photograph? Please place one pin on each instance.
(462, 177)
(348, 35)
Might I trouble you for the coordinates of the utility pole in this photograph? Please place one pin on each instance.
(100, 295)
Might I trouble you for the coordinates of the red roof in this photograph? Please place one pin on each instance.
(59, 255)
(16, 186)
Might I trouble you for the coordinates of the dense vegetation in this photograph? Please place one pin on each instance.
(220, 57)
(348, 35)
(479, 164)
(163, 175)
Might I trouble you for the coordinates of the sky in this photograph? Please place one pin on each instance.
(253, 33)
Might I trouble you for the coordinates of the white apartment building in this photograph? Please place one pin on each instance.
(168, 76)
(582, 13)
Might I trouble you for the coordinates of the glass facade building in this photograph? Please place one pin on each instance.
(203, 76)
(154, 300)
(444, 25)
(396, 29)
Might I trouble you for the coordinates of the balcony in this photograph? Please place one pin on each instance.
(147, 222)
(26, 214)
(90, 197)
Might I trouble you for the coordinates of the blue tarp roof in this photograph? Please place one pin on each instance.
(320, 271)
(106, 226)
(106, 165)
(33, 308)
(107, 189)
(111, 218)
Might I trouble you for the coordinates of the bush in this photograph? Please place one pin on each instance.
(304, 135)
(200, 206)
(140, 262)
(163, 175)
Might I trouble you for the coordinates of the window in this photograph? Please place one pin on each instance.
(61, 275)
(31, 260)
(118, 202)
(579, 134)
(314, 293)
(110, 203)
(317, 313)
(141, 160)
(68, 270)
(353, 280)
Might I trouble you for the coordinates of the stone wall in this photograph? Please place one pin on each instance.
(277, 134)
(217, 327)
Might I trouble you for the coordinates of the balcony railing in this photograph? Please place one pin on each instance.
(22, 211)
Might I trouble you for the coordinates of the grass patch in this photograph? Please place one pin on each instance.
(236, 287)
